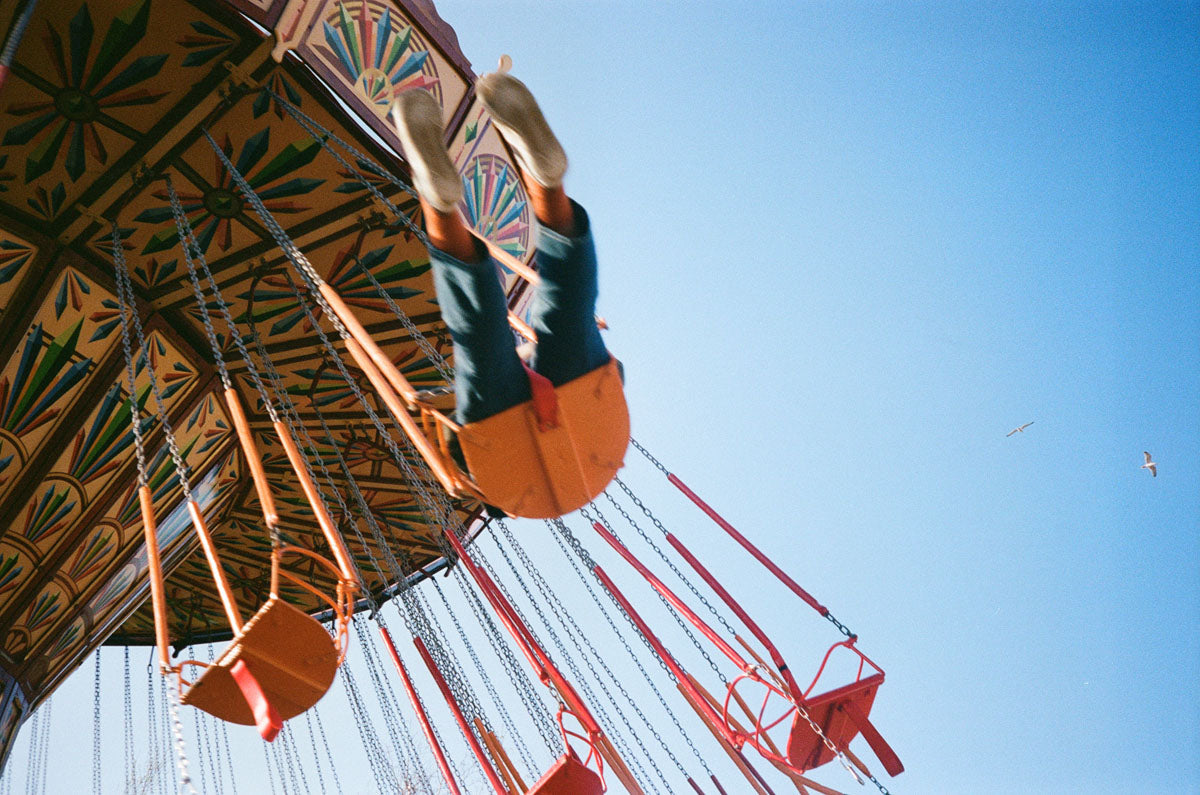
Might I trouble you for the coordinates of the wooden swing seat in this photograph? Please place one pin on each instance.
(528, 467)
(568, 776)
(842, 714)
(289, 655)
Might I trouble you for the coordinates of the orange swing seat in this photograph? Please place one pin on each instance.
(555, 453)
(288, 654)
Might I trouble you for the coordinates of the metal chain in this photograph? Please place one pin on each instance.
(695, 591)
(188, 242)
(312, 716)
(200, 737)
(401, 745)
(152, 747)
(135, 416)
(529, 698)
(130, 763)
(578, 637)
(682, 624)
(185, 778)
(561, 533)
(551, 599)
(266, 747)
(309, 123)
(164, 730)
(96, 729)
(209, 725)
(659, 466)
(313, 280)
(410, 609)
(381, 769)
(322, 137)
(31, 765)
(662, 555)
(125, 297)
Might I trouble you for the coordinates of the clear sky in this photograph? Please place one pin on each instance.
(847, 247)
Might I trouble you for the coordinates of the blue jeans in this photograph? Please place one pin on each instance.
(488, 376)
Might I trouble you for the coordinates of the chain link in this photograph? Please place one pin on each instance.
(679, 621)
(125, 297)
(513, 671)
(130, 763)
(579, 640)
(563, 535)
(96, 781)
(321, 135)
(135, 412)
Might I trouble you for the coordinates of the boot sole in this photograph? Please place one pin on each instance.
(418, 120)
(521, 122)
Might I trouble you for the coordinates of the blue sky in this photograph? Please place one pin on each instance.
(845, 248)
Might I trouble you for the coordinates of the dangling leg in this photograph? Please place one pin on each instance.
(564, 305)
(488, 374)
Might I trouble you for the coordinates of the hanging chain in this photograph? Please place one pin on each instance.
(381, 769)
(187, 241)
(662, 555)
(185, 778)
(683, 625)
(529, 698)
(563, 535)
(578, 640)
(322, 136)
(129, 314)
(127, 307)
(125, 297)
(96, 729)
(130, 761)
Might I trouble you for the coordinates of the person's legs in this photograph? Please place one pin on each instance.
(489, 377)
(564, 304)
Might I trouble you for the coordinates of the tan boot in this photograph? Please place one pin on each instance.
(418, 119)
(520, 120)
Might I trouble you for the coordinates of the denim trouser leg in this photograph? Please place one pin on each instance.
(489, 377)
(563, 312)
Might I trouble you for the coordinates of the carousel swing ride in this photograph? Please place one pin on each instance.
(226, 383)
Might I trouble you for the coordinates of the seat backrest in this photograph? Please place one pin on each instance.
(543, 474)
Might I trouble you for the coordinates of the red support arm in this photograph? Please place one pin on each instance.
(737, 609)
(492, 777)
(422, 718)
(758, 554)
(670, 596)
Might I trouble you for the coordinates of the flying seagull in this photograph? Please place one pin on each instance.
(1153, 467)
(1018, 430)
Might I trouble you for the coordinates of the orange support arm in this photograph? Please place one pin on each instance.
(253, 460)
(157, 595)
(332, 536)
(214, 563)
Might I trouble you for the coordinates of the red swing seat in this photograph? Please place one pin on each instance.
(568, 776)
(842, 715)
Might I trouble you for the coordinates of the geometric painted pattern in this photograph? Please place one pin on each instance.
(105, 98)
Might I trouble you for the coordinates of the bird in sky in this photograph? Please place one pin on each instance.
(1153, 467)
(1018, 430)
